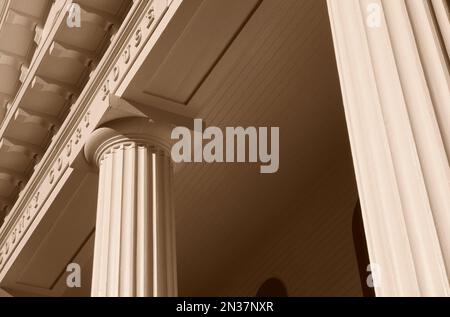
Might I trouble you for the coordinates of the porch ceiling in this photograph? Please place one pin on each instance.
(272, 64)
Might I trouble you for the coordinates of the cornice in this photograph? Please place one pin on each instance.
(134, 33)
(22, 112)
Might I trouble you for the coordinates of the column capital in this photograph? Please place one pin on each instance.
(141, 131)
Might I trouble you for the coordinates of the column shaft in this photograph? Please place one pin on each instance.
(135, 236)
(391, 76)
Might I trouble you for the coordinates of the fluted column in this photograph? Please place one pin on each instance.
(134, 253)
(395, 87)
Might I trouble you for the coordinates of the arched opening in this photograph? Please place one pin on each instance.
(273, 287)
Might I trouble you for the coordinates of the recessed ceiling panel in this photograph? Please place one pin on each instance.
(198, 48)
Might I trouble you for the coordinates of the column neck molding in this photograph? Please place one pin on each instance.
(125, 133)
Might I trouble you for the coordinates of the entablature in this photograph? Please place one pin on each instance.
(142, 21)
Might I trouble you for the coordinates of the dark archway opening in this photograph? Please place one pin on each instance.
(273, 287)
